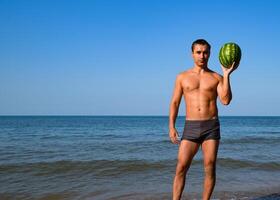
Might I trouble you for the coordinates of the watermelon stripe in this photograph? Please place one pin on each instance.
(224, 61)
(228, 55)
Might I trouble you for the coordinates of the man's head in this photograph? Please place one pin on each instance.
(201, 52)
(201, 42)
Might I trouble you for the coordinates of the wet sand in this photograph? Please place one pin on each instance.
(216, 196)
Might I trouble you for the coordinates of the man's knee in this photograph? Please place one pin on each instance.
(181, 169)
(210, 168)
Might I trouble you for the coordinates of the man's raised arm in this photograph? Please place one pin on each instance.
(224, 89)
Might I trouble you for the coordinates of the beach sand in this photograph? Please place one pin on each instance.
(271, 193)
(260, 195)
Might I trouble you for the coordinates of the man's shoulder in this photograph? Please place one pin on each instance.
(216, 75)
(182, 76)
(184, 73)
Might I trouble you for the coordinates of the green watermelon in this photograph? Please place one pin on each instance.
(229, 53)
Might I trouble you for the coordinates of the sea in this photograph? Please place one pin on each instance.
(131, 158)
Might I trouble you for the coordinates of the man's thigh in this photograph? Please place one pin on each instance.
(187, 150)
(210, 151)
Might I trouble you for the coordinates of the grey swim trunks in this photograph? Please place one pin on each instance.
(200, 130)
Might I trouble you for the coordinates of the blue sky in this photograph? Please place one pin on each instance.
(121, 57)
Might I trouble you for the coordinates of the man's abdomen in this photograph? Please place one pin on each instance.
(201, 110)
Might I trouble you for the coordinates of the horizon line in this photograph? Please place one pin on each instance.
(122, 115)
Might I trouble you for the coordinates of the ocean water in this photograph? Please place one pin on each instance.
(126, 157)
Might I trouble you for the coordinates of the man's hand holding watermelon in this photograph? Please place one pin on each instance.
(228, 71)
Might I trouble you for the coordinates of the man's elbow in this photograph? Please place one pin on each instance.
(226, 101)
(175, 103)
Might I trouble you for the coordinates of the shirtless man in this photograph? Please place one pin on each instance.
(200, 87)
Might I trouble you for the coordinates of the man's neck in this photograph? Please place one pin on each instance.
(199, 69)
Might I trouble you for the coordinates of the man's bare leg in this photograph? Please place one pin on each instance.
(187, 150)
(210, 150)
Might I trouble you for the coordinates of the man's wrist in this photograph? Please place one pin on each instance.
(226, 75)
(172, 127)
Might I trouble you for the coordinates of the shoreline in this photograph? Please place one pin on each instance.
(223, 195)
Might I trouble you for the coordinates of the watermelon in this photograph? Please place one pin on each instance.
(229, 53)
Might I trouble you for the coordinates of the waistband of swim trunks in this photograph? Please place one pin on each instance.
(202, 121)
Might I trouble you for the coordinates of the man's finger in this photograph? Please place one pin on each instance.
(173, 140)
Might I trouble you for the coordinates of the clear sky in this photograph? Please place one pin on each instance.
(120, 57)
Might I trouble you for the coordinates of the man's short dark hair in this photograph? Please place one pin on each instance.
(201, 42)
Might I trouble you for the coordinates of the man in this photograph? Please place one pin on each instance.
(200, 87)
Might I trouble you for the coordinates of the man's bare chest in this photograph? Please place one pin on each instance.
(199, 84)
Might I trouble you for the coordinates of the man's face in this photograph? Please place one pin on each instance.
(200, 54)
